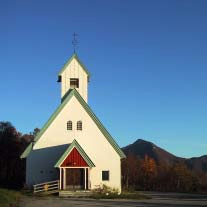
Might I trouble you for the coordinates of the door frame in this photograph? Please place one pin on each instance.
(86, 177)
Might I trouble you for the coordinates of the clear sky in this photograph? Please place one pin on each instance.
(148, 61)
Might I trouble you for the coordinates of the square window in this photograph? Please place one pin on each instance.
(74, 83)
(105, 175)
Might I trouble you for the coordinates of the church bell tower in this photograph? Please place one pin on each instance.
(74, 75)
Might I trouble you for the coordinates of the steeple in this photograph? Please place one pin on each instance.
(74, 42)
(74, 75)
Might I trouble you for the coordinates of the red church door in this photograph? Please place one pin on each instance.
(74, 178)
(76, 171)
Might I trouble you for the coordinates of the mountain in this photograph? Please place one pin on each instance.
(141, 148)
(197, 163)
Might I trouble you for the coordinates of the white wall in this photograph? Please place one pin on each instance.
(75, 70)
(40, 164)
(90, 138)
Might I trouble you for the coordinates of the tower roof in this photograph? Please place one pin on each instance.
(74, 56)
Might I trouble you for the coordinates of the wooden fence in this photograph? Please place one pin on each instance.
(47, 187)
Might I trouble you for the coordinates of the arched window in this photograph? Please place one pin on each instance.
(69, 125)
(79, 125)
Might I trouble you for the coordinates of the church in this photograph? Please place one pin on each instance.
(73, 146)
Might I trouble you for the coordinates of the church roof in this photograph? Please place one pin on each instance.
(74, 144)
(65, 100)
(74, 56)
(27, 151)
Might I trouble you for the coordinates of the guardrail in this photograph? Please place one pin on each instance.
(47, 187)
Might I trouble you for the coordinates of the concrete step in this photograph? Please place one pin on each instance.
(65, 193)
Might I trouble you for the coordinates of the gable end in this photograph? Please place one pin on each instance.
(90, 113)
(69, 61)
(72, 146)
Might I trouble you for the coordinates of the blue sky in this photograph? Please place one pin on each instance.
(148, 61)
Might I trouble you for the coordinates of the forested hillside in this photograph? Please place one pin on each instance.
(12, 144)
(149, 167)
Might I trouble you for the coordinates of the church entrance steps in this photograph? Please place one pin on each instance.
(78, 193)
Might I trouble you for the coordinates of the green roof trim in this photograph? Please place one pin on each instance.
(66, 94)
(75, 144)
(99, 125)
(26, 151)
(50, 120)
(66, 99)
(69, 61)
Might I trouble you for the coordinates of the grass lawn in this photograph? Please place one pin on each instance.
(9, 197)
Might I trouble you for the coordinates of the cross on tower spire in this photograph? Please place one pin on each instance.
(74, 41)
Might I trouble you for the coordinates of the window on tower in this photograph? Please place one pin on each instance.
(74, 83)
(79, 125)
(69, 125)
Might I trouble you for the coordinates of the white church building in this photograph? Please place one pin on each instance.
(73, 146)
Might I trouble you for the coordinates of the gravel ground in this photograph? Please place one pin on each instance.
(158, 200)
